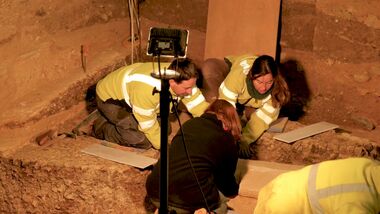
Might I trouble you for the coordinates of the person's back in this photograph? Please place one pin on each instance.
(337, 186)
(117, 87)
(346, 186)
(213, 153)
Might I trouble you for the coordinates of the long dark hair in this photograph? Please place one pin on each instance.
(266, 65)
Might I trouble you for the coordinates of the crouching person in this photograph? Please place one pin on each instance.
(254, 85)
(129, 101)
(202, 162)
(343, 186)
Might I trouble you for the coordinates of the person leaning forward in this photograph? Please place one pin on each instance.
(202, 163)
(254, 85)
(350, 185)
(129, 107)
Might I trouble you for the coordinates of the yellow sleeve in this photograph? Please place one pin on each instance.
(259, 122)
(233, 85)
(195, 103)
(153, 134)
(149, 125)
(145, 107)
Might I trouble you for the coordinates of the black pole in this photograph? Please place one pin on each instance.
(164, 115)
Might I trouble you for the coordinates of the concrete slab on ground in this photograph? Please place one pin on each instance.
(278, 126)
(304, 132)
(254, 174)
(120, 156)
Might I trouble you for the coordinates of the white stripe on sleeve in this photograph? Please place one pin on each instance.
(147, 124)
(268, 120)
(142, 111)
(229, 94)
(199, 99)
(269, 108)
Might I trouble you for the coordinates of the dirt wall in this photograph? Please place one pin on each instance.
(336, 47)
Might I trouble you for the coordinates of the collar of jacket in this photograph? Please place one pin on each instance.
(253, 92)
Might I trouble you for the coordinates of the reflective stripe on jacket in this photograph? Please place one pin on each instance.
(135, 85)
(234, 89)
(343, 186)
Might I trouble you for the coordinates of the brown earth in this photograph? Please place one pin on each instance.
(330, 56)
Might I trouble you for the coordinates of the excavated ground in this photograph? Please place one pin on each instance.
(47, 89)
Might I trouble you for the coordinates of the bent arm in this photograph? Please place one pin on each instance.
(234, 84)
(148, 124)
(259, 122)
(196, 103)
(145, 108)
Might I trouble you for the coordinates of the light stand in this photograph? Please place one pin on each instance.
(164, 114)
(168, 43)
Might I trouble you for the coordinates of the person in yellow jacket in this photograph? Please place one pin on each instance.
(129, 103)
(342, 186)
(254, 85)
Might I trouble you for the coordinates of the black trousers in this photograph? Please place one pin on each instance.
(118, 125)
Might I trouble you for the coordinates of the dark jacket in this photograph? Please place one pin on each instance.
(213, 154)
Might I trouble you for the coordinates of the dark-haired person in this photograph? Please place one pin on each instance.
(129, 107)
(209, 142)
(253, 84)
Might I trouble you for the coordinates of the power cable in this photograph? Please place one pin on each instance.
(130, 5)
(133, 10)
(188, 155)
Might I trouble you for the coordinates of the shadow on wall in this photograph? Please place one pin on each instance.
(294, 74)
(91, 98)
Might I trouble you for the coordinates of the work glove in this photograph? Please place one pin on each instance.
(244, 150)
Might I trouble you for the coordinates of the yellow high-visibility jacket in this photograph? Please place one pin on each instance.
(135, 85)
(343, 186)
(234, 89)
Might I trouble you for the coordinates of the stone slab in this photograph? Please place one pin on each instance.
(304, 132)
(278, 125)
(254, 174)
(120, 156)
(242, 205)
